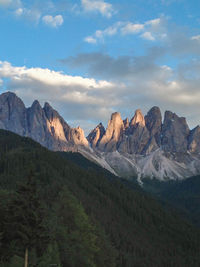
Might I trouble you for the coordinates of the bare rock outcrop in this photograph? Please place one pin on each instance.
(175, 132)
(113, 134)
(138, 119)
(96, 135)
(12, 113)
(194, 140)
(153, 122)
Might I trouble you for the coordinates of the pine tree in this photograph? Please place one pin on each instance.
(27, 220)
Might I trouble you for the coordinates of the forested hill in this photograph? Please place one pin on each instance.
(87, 217)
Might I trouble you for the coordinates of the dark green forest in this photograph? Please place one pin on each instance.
(184, 195)
(69, 212)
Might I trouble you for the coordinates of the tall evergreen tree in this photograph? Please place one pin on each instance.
(27, 220)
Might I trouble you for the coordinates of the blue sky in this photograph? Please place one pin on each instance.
(91, 58)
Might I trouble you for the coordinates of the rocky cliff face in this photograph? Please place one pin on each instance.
(146, 147)
(113, 134)
(44, 125)
(175, 132)
(96, 135)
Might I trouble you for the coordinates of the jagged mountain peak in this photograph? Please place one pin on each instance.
(36, 105)
(11, 98)
(138, 118)
(96, 135)
(146, 146)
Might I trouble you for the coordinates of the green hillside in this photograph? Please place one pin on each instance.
(183, 195)
(90, 218)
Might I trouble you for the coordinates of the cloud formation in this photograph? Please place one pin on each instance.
(33, 14)
(75, 97)
(100, 6)
(82, 100)
(54, 22)
(147, 30)
(147, 83)
(10, 3)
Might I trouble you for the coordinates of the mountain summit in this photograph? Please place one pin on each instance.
(44, 125)
(146, 147)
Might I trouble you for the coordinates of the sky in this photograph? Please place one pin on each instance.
(90, 58)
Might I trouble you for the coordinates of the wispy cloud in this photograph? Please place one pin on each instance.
(31, 14)
(104, 8)
(146, 30)
(131, 28)
(54, 22)
(10, 3)
(36, 12)
(147, 36)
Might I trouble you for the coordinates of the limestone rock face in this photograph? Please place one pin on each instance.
(37, 124)
(137, 135)
(136, 141)
(194, 140)
(78, 137)
(138, 118)
(145, 146)
(96, 135)
(44, 125)
(57, 126)
(113, 133)
(12, 113)
(175, 132)
(153, 121)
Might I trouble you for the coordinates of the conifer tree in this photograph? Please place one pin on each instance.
(27, 220)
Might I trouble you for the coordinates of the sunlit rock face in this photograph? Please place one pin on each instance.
(138, 119)
(96, 135)
(145, 147)
(194, 140)
(113, 133)
(44, 125)
(78, 137)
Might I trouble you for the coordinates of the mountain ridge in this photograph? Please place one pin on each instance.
(147, 146)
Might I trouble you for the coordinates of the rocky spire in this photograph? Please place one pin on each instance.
(113, 133)
(96, 135)
(194, 140)
(12, 113)
(57, 125)
(175, 132)
(78, 136)
(138, 118)
(37, 124)
(153, 121)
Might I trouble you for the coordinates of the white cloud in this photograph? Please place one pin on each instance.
(90, 40)
(19, 12)
(82, 99)
(131, 28)
(104, 8)
(148, 29)
(53, 21)
(153, 22)
(75, 97)
(10, 3)
(147, 36)
(196, 37)
(28, 14)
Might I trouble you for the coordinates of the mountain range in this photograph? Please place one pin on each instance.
(146, 146)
